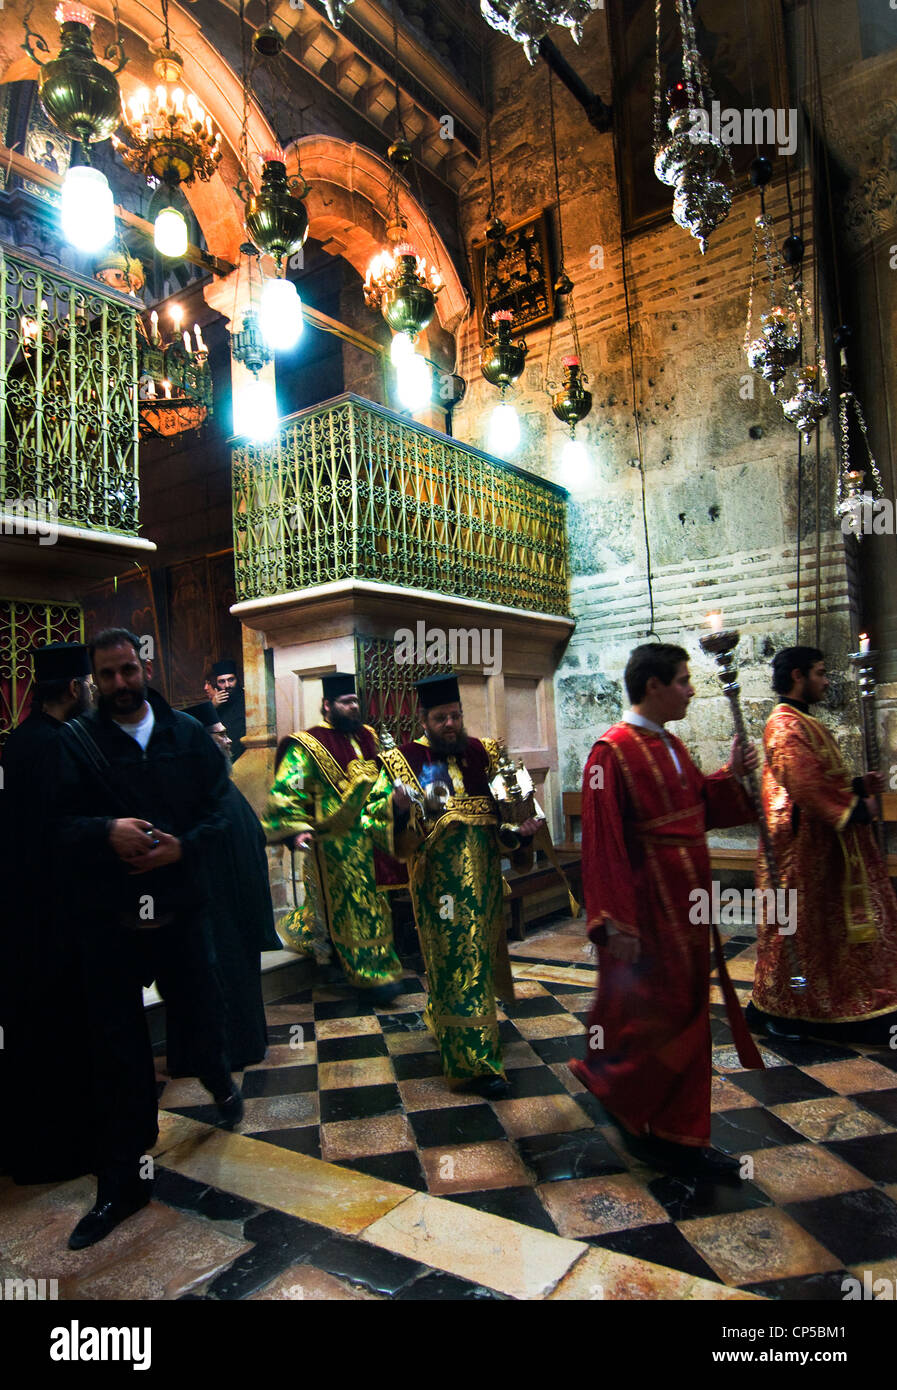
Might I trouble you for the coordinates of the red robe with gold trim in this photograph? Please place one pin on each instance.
(644, 852)
(845, 942)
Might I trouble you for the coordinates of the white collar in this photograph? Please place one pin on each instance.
(633, 717)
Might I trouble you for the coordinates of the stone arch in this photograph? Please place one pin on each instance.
(347, 204)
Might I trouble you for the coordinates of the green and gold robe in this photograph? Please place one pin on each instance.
(323, 784)
(457, 891)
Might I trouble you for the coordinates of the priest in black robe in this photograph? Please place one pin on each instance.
(230, 702)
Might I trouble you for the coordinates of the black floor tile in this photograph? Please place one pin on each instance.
(741, 1131)
(305, 1139)
(873, 1155)
(593, 1108)
(583, 1017)
(855, 1226)
(533, 1081)
(412, 984)
(558, 1049)
(661, 1244)
(402, 1023)
(507, 1032)
(177, 1191)
(353, 1048)
(720, 1032)
(410, 1066)
(403, 1168)
(882, 1103)
(582, 1154)
(378, 1270)
(885, 1056)
(560, 989)
(285, 1232)
(302, 996)
(779, 1085)
(807, 1053)
(279, 1081)
(686, 1199)
(250, 1272)
(811, 1288)
(514, 1203)
(358, 1103)
(463, 1124)
(538, 1007)
(356, 1007)
(439, 1287)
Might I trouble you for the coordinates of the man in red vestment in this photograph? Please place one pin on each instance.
(645, 810)
(845, 937)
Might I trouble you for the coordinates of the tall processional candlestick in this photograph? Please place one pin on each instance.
(863, 663)
(721, 646)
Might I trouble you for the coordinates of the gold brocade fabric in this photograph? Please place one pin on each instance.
(457, 891)
(341, 897)
(843, 905)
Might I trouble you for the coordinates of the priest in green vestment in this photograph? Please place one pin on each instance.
(324, 780)
(453, 838)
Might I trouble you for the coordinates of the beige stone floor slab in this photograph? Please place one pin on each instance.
(186, 1090)
(860, 1074)
(361, 1071)
(301, 1282)
(598, 1206)
(432, 1093)
(549, 1026)
(725, 1096)
(519, 1054)
(727, 1059)
(379, 1134)
(473, 1167)
(304, 1053)
(174, 1129)
(831, 1117)
(803, 1172)
(571, 1083)
(401, 1043)
(279, 1112)
(338, 1198)
(279, 1014)
(540, 1115)
(488, 1250)
(749, 1247)
(346, 1027)
(740, 968)
(604, 1275)
(571, 950)
(404, 1004)
(188, 1253)
(530, 989)
(555, 974)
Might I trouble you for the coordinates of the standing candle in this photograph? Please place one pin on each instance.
(154, 328)
(166, 387)
(715, 622)
(188, 346)
(864, 643)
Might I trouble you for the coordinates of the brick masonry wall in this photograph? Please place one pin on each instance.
(721, 505)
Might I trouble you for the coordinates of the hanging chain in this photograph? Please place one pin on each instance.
(658, 99)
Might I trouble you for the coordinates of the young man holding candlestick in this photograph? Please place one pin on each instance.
(645, 810)
(820, 821)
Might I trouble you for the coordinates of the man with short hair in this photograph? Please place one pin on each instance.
(845, 939)
(38, 960)
(230, 701)
(454, 841)
(136, 796)
(324, 778)
(645, 810)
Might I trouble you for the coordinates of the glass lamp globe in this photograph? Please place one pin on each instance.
(255, 410)
(88, 208)
(401, 347)
(414, 384)
(574, 463)
(280, 314)
(170, 233)
(504, 430)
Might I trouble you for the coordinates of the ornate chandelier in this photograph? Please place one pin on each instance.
(527, 22)
(690, 157)
(336, 10)
(175, 383)
(399, 285)
(170, 137)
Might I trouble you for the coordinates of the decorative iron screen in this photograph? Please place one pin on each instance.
(386, 686)
(23, 626)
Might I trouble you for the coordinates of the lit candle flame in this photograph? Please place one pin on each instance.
(166, 387)
(715, 622)
(177, 315)
(864, 642)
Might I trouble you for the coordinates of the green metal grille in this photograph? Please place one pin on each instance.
(68, 397)
(23, 626)
(351, 490)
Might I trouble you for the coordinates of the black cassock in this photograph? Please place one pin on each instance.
(242, 925)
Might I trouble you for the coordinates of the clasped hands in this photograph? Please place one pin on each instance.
(141, 847)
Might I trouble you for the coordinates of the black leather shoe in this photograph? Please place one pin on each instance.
(492, 1087)
(105, 1216)
(710, 1163)
(230, 1109)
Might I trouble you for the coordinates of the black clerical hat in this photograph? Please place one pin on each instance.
(205, 712)
(225, 667)
(338, 684)
(438, 690)
(61, 661)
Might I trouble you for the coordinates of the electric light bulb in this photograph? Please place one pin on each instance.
(170, 233)
(280, 315)
(255, 410)
(574, 463)
(414, 385)
(402, 346)
(504, 430)
(88, 208)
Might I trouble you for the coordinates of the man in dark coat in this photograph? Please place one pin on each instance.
(242, 916)
(38, 957)
(230, 702)
(137, 794)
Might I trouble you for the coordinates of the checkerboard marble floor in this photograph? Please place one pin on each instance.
(357, 1173)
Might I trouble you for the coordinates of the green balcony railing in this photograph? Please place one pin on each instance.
(350, 490)
(68, 398)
